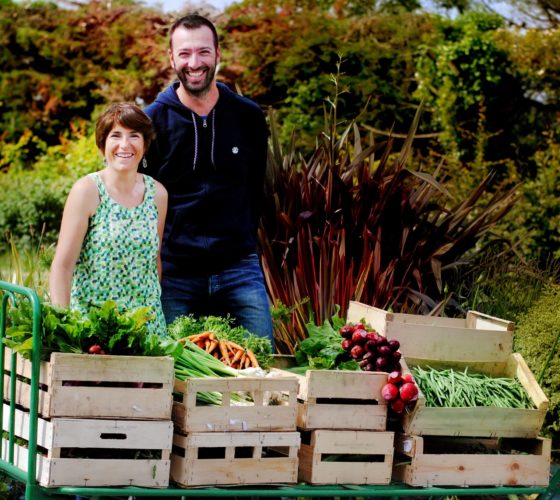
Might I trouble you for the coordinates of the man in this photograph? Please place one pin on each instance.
(210, 153)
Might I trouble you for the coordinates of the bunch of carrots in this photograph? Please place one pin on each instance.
(228, 352)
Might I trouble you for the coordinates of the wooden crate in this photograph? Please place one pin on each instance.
(87, 386)
(445, 461)
(481, 421)
(476, 338)
(235, 458)
(483, 344)
(273, 407)
(341, 399)
(346, 457)
(109, 449)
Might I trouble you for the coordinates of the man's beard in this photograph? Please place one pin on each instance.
(201, 89)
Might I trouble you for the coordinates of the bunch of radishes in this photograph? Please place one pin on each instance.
(400, 391)
(372, 351)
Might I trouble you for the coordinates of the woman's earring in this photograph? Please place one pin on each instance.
(144, 163)
(104, 161)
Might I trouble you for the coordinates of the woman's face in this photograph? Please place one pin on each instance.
(124, 148)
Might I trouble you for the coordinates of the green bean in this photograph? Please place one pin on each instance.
(452, 388)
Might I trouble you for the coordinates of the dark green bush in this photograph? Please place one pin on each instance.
(536, 338)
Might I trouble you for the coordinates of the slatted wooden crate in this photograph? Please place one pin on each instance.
(87, 386)
(479, 342)
(456, 461)
(235, 458)
(273, 406)
(341, 399)
(346, 457)
(95, 452)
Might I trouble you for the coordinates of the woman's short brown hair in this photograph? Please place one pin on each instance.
(127, 115)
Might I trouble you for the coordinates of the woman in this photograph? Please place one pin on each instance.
(112, 225)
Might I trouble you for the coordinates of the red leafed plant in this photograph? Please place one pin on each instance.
(356, 222)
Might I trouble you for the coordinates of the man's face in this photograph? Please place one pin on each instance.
(194, 58)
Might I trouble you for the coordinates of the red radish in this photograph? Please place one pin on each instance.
(394, 377)
(394, 345)
(371, 346)
(95, 349)
(369, 368)
(346, 331)
(381, 340)
(371, 336)
(407, 377)
(359, 337)
(398, 405)
(381, 363)
(396, 356)
(359, 326)
(408, 391)
(363, 363)
(389, 392)
(367, 355)
(357, 351)
(384, 350)
(347, 344)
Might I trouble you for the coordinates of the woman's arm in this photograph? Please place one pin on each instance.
(80, 205)
(161, 205)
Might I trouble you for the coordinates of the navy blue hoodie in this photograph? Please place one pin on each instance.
(213, 169)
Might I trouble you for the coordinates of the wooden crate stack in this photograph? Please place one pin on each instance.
(235, 444)
(103, 420)
(342, 420)
(476, 446)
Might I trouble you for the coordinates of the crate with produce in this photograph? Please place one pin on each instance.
(343, 368)
(428, 461)
(214, 393)
(470, 382)
(235, 423)
(103, 365)
(104, 397)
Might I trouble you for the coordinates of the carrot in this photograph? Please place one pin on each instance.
(242, 359)
(237, 356)
(234, 345)
(211, 345)
(224, 351)
(252, 357)
(199, 336)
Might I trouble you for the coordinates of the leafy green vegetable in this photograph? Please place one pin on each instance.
(65, 330)
(322, 349)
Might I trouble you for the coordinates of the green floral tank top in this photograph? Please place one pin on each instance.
(118, 260)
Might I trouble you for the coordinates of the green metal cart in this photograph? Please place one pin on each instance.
(10, 293)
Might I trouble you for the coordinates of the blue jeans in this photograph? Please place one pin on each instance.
(239, 291)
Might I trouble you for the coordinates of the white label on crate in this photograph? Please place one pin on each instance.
(407, 445)
(243, 423)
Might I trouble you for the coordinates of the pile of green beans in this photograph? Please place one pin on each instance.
(455, 389)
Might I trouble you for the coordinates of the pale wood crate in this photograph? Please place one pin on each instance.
(60, 438)
(84, 385)
(456, 461)
(346, 457)
(480, 342)
(341, 399)
(481, 421)
(273, 406)
(235, 458)
(476, 338)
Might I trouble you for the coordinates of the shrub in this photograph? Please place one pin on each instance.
(537, 339)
